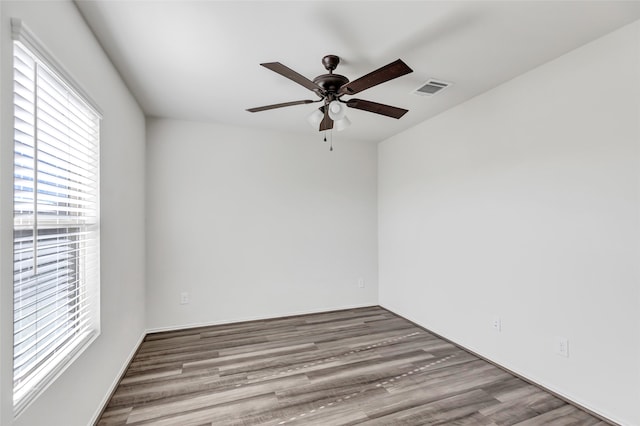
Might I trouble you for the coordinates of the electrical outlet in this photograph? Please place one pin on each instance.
(496, 324)
(360, 282)
(184, 298)
(562, 346)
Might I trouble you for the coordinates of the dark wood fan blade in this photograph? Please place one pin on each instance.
(388, 72)
(327, 122)
(388, 110)
(284, 104)
(287, 72)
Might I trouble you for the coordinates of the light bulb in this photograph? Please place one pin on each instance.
(336, 110)
(342, 124)
(315, 118)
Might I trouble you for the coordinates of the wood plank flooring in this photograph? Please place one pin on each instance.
(361, 366)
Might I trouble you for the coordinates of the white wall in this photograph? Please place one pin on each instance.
(75, 397)
(524, 203)
(255, 224)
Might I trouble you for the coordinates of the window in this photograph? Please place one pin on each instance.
(56, 222)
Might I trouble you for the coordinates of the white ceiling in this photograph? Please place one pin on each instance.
(199, 60)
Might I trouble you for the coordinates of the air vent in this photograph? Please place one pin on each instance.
(431, 87)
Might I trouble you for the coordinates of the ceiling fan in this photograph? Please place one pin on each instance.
(330, 88)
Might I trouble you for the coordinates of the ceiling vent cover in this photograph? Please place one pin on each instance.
(431, 87)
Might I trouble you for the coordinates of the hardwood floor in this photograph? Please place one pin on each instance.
(361, 366)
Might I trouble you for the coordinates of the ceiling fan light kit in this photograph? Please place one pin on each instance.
(330, 88)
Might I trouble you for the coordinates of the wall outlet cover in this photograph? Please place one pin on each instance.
(562, 346)
(496, 324)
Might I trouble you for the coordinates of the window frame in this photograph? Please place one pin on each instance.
(57, 362)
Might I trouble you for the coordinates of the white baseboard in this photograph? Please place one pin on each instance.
(575, 401)
(256, 318)
(535, 381)
(125, 365)
(116, 381)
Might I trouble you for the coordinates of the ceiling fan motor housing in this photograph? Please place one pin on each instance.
(331, 83)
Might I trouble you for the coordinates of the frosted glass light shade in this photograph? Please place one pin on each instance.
(337, 110)
(315, 118)
(342, 124)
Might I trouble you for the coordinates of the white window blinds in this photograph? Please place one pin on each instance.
(56, 225)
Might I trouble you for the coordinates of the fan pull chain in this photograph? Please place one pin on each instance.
(331, 137)
(325, 136)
